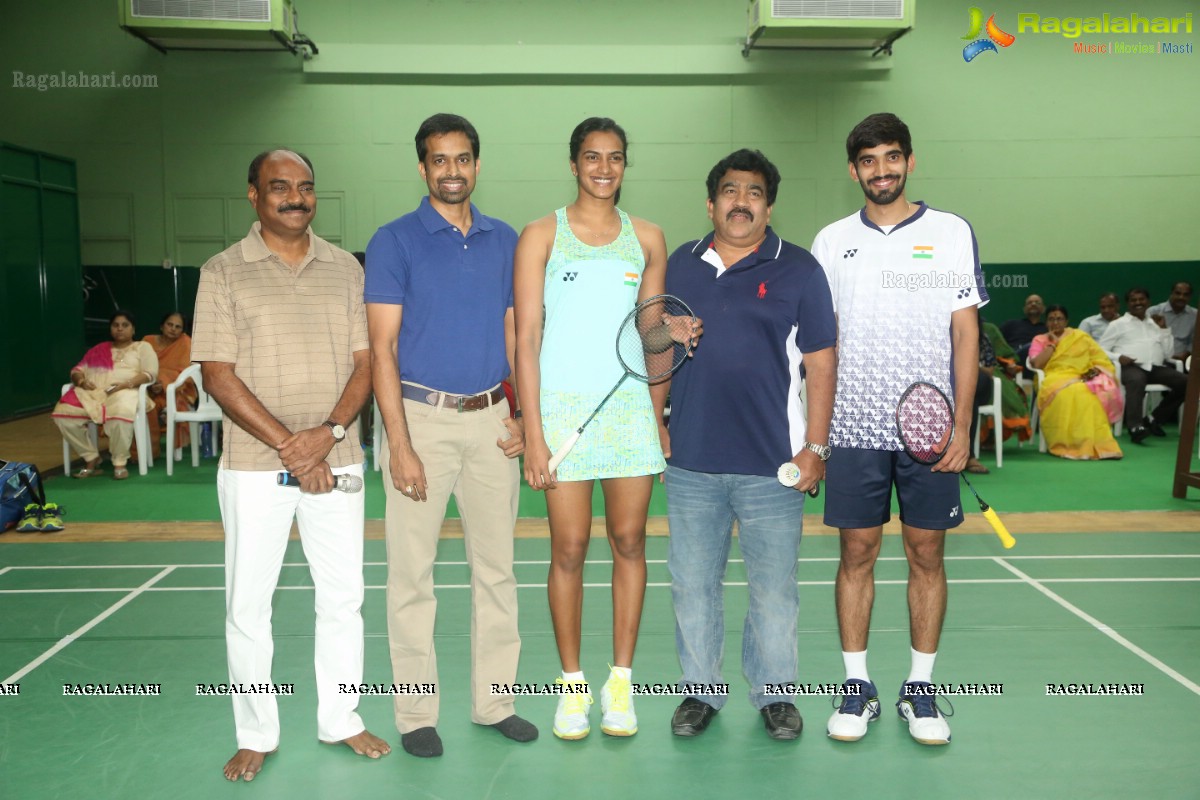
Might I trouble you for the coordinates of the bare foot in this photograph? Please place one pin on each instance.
(367, 744)
(245, 764)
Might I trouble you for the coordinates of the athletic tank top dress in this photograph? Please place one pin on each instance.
(589, 292)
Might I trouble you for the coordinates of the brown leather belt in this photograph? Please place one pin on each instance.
(458, 402)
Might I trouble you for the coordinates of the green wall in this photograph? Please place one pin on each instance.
(1055, 158)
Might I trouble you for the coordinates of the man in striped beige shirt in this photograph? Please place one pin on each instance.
(280, 331)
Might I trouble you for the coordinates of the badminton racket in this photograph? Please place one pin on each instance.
(925, 421)
(653, 341)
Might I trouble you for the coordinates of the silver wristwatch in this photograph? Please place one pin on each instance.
(339, 432)
(823, 451)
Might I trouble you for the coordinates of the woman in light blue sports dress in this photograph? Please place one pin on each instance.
(578, 273)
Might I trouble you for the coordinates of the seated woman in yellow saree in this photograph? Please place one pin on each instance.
(174, 350)
(105, 392)
(1080, 396)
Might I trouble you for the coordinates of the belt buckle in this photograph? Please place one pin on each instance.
(460, 403)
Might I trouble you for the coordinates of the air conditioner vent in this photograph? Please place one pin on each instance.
(225, 10)
(837, 9)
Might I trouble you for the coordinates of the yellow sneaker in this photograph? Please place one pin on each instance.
(616, 703)
(571, 718)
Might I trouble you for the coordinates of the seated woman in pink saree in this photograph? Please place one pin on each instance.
(105, 392)
(174, 350)
(1080, 396)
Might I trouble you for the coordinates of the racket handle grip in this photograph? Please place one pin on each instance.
(562, 451)
(1006, 538)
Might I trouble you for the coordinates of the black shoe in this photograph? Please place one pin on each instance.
(423, 743)
(1138, 435)
(1153, 426)
(517, 729)
(692, 717)
(782, 720)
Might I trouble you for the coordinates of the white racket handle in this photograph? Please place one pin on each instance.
(562, 451)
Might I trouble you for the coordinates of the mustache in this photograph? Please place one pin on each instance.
(740, 210)
(886, 177)
(293, 207)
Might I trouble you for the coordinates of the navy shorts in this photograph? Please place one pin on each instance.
(858, 490)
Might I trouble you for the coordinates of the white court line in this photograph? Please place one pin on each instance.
(1100, 626)
(652, 585)
(1100, 556)
(71, 637)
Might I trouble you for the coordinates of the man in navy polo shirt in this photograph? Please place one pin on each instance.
(906, 282)
(736, 417)
(440, 319)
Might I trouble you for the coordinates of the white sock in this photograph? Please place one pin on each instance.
(573, 677)
(856, 665)
(922, 667)
(623, 672)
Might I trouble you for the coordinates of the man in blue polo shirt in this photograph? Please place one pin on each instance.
(736, 417)
(440, 319)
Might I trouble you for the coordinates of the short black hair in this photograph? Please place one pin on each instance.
(1113, 295)
(1135, 290)
(169, 314)
(745, 160)
(440, 124)
(1058, 307)
(120, 312)
(875, 130)
(1182, 283)
(256, 164)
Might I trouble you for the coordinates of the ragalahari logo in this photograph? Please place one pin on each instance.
(995, 36)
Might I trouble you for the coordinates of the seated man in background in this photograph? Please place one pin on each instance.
(1019, 332)
(1143, 348)
(1110, 308)
(1179, 317)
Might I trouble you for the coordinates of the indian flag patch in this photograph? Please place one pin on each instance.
(922, 251)
(631, 279)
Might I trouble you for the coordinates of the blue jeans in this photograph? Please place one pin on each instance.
(701, 508)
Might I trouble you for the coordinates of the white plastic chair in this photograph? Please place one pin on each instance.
(206, 410)
(1161, 389)
(141, 434)
(992, 409)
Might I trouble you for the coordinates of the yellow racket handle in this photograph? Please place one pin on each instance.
(1006, 538)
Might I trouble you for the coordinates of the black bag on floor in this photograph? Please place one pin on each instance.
(20, 484)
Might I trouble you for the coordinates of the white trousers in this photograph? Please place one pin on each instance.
(258, 514)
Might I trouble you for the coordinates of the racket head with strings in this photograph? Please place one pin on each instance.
(656, 337)
(925, 422)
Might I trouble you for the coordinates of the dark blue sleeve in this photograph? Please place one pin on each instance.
(818, 325)
(387, 269)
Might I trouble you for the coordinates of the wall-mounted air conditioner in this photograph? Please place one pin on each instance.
(828, 24)
(215, 25)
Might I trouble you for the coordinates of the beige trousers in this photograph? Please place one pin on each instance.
(120, 439)
(459, 453)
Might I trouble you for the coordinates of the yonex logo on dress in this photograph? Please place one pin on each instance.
(569, 276)
(850, 253)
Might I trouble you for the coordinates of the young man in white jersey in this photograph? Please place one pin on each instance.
(906, 281)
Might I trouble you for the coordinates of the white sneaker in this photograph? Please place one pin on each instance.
(616, 701)
(855, 712)
(571, 718)
(918, 706)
